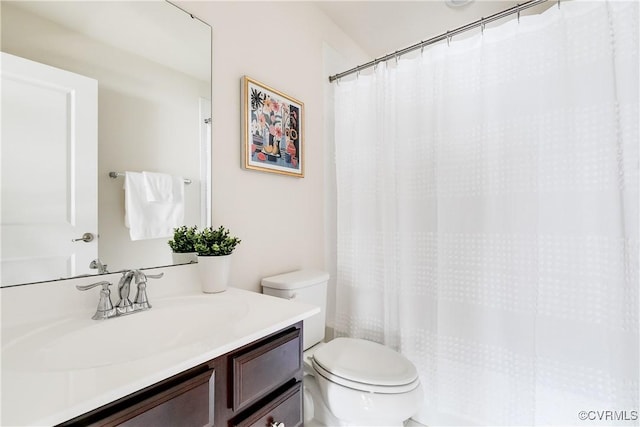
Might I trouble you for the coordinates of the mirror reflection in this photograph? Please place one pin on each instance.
(90, 88)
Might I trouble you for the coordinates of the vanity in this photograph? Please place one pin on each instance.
(194, 359)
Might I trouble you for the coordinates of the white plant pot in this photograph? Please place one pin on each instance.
(214, 272)
(184, 257)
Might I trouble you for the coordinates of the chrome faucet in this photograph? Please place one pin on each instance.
(106, 309)
(96, 264)
(124, 289)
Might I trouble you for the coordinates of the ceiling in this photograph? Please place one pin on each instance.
(381, 27)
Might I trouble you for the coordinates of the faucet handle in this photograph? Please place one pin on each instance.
(105, 308)
(142, 277)
(104, 284)
(141, 301)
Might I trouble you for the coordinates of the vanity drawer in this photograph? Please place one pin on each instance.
(285, 409)
(188, 404)
(265, 368)
(178, 401)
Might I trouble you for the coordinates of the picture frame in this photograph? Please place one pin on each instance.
(273, 130)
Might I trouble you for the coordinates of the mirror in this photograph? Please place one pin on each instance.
(151, 63)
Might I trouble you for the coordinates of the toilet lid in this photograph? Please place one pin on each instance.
(365, 362)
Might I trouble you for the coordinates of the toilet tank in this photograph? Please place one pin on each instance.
(307, 286)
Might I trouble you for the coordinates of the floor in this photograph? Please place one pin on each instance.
(409, 423)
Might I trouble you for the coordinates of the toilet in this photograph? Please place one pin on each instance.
(347, 381)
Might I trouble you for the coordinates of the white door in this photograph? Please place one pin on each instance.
(50, 123)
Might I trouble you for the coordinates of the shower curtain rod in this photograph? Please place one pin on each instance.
(444, 36)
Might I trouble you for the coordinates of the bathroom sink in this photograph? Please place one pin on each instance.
(72, 344)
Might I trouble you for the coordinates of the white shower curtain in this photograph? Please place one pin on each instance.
(488, 218)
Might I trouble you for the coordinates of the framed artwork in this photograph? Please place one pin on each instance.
(273, 129)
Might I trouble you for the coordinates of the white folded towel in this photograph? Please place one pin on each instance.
(162, 187)
(150, 219)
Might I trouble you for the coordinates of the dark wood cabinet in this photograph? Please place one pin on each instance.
(255, 385)
(187, 404)
(285, 409)
(260, 382)
(265, 368)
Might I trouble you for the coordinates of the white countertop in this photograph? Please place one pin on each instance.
(36, 394)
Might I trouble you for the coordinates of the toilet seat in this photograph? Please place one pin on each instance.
(371, 388)
(366, 366)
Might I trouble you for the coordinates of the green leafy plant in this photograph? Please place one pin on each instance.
(215, 242)
(184, 239)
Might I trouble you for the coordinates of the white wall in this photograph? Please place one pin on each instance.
(280, 219)
(285, 223)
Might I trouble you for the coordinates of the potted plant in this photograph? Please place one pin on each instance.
(214, 248)
(182, 245)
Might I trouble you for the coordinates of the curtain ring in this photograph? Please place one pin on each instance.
(357, 74)
(518, 14)
(397, 57)
(448, 39)
(482, 26)
(558, 4)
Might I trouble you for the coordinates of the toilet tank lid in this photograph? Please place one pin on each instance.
(295, 279)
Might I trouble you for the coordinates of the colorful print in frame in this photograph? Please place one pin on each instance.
(273, 130)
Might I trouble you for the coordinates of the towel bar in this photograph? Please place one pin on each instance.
(114, 175)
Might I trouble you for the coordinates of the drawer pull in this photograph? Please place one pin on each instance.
(276, 424)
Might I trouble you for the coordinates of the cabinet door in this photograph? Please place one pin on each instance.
(176, 402)
(189, 404)
(264, 369)
(285, 409)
